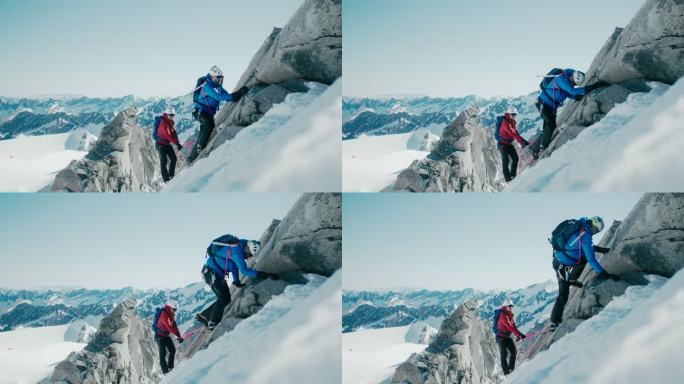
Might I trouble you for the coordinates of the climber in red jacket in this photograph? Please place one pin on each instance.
(505, 325)
(166, 138)
(506, 131)
(164, 327)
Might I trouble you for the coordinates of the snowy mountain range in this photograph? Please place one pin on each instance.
(42, 116)
(395, 308)
(383, 116)
(38, 308)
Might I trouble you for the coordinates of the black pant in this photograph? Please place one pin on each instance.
(509, 154)
(207, 125)
(214, 312)
(167, 353)
(168, 159)
(508, 353)
(564, 274)
(549, 116)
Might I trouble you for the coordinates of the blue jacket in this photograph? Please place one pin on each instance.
(210, 97)
(580, 245)
(230, 259)
(560, 88)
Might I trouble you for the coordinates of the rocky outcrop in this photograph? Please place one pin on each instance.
(464, 160)
(649, 241)
(463, 351)
(122, 351)
(650, 48)
(308, 48)
(307, 240)
(123, 160)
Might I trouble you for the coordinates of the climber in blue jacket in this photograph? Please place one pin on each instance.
(227, 254)
(558, 85)
(569, 261)
(207, 96)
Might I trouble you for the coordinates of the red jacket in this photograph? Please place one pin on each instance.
(167, 323)
(167, 130)
(506, 324)
(509, 131)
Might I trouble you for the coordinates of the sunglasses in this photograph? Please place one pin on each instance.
(172, 115)
(514, 114)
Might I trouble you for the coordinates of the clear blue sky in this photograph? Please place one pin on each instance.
(455, 241)
(119, 240)
(483, 47)
(124, 47)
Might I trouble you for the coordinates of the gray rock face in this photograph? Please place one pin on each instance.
(464, 351)
(649, 241)
(124, 159)
(309, 238)
(308, 48)
(650, 48)
(464, 160)
(123, 351)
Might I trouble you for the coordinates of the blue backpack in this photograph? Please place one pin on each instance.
(155, 128)
(157, 313)
(499, 121)
(495, 328)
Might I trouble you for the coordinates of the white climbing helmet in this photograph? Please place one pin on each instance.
(596, 224)
(254, 247)
(173, 304)
(578, 77)
(170, 110)
(512, 110)
(507, 303)
(216, 71)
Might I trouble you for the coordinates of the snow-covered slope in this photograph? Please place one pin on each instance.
(636, 338)
(28, 354)
(371, 163)
(294, 338)
(294, 147)
(635, 147)
(28, 163)
(369, 356)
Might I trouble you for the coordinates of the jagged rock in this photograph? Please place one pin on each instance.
(123, 160)
(308, 48)
(649, 241)
(407, 373)
(463, 351)
(123, 351)
(650, 48)
(464, 160)
(308, 239)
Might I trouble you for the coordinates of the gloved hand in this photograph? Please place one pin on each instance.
(606, 275)
(596, 85)
(180, 339)
(274, 276)
(575, 283)
(601, 249)
(522, 336)
(237, 95)
(266, 275)
(238, 284)
(179, 147)
(525, 143)
(579, 97)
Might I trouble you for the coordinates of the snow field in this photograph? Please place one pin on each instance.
(27, 355)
